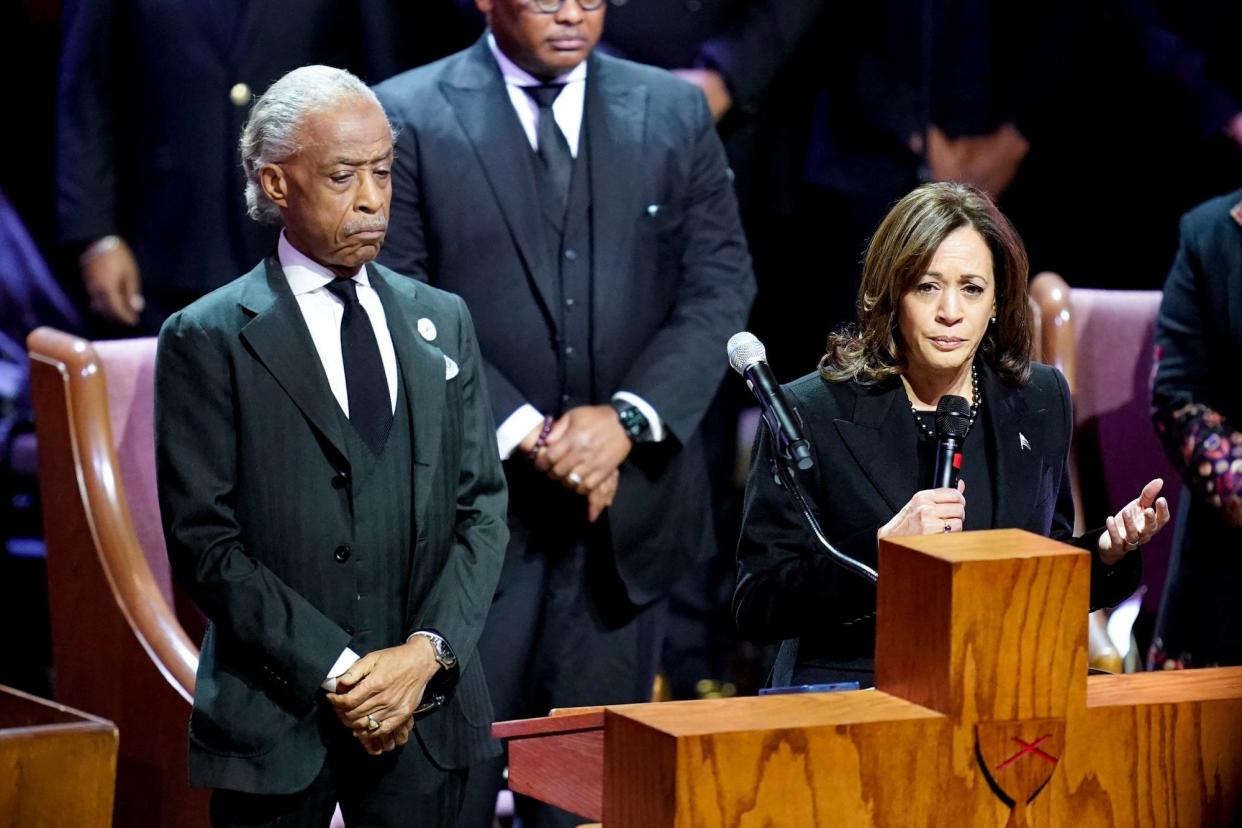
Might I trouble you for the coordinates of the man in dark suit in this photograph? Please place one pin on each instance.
(583, 207)
(330, 489)
(150, 102)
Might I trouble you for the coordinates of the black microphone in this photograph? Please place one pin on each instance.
(750, 359)
(952, 423)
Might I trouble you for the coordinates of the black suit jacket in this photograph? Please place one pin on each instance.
(251, 458)
(147, 131)
(671, 282)
(1198, 341)
(865, 444)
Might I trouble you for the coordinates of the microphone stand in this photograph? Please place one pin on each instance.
(783, 466)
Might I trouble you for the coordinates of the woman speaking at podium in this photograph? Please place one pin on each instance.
(942, 310)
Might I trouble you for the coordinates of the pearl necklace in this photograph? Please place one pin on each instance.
(974, 405)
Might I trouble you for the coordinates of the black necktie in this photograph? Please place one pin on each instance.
(370, 407)
(557, 162)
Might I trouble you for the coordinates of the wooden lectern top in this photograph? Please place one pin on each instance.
(768, 713)
(993, 545)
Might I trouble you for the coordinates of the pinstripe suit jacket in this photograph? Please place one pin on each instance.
(255, 479)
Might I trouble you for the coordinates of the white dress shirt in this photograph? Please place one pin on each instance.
(323, 311)
(567, 109)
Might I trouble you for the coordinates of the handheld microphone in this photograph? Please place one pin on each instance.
(749, 358)
(952, 423)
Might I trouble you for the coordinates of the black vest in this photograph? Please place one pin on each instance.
(377, 565)
(569, 243)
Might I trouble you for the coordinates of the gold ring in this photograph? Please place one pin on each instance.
(371, 723)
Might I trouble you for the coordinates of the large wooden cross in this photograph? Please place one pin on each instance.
(983, 714)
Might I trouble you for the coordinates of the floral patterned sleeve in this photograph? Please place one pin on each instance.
(1207, 451)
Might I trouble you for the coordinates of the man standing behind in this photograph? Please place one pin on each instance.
(330, 488)
(584, 209)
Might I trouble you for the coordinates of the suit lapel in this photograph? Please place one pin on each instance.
(882, 442)
(615, 118)
(278, 337)
(422, 368)
(481, 103)
(1018, 441)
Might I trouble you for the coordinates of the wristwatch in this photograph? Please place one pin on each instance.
(442, 683)
(443, 652)
(633, 421)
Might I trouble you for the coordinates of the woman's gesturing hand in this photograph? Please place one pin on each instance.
(1135, 524)
(929, 512)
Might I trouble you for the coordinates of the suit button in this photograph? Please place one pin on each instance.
(571, 254)
(564, 399)
(569, 303)
(340, 480)
(569, 351)
(348, 629)
(240, 94)
(343, 552)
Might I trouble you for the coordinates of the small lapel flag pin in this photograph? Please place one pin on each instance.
(1023, 442)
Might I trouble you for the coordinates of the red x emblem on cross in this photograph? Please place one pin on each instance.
(1029, 747)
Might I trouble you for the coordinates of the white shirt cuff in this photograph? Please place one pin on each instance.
(515, 428)
(343, 662)
(653, 419)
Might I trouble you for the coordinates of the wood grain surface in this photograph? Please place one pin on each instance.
(982, 642)
(57, 765)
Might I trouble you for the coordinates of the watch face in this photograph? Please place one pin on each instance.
(444, 655)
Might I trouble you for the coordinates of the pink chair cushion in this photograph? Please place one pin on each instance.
(1118, 450)
(129, 367)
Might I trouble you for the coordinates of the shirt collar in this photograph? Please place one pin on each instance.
(304, 273)
(517, 76)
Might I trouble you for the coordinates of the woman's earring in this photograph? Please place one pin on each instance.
(993, 320)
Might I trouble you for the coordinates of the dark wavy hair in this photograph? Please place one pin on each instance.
(899, 253)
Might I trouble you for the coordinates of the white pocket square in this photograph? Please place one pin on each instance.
(450, 369)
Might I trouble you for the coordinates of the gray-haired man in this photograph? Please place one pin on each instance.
(331, 494)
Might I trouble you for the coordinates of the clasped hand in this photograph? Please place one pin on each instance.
(584, 451)
(384, 686)
(928, 512)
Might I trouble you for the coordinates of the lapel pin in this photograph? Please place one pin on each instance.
(1023, 442)
(653, 210)
(427, 328)
(450, 368)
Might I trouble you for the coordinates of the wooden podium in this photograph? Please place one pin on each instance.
(983, 715)
(57, 764)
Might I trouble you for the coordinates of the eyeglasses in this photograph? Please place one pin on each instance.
(553, 6)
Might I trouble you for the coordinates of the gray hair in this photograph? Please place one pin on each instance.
(273, 131)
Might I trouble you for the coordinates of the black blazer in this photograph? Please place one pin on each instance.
(865, 444)
(672, 278)
(1198, 342)
(251, 455)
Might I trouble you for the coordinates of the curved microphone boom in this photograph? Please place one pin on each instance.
(749, 358)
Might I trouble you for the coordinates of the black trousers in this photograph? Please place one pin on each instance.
(560, 633)
(399, 788)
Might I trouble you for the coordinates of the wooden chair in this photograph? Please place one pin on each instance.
(122, 636)
(1102, 341)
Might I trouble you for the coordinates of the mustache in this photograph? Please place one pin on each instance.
(379, 223)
